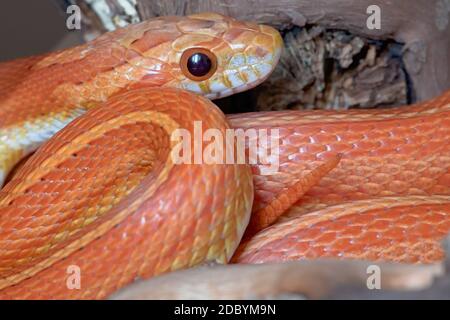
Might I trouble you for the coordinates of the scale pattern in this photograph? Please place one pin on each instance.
(393, 229)
(392, 152)
(95, 197)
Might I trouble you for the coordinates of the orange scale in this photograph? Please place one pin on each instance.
(361, 128)
(433, 145)
(376, 135)
(298, 248)
(435, 216)
(284, 244)
(399, 187)
(354, 180)
(367, 144)
(261, 257)
(380, 178)
(382, 152)
(339, 246)
(351, 232)
(424, 183)
(307, 234)
(423, 230)
(391, 169)
(410, 149)
(287, 149)
(409, 218)
(44, 201)
(336, 226)
(361, 219)
(379, 225)
(357, 153)
(306, 130)
(341, 147)
(315, 252)
(404, 131)
(325, 238)
(368, 237)
(442, 226)
(295, 140)
(371, 189)
(444, 179)
(395, 232)
(312, 149)
(323, 138)
(401, 250)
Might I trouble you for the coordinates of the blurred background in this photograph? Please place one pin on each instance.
(32, 27)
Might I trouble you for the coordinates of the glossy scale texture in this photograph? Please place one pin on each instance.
(104, 196)
(387, 199)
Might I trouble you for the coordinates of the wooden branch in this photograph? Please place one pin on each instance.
(330, 69)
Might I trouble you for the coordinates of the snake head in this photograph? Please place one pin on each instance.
(219, 56)
(208, 53)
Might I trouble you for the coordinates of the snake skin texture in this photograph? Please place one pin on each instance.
(387, 200)
(102, 181)
(102, 194)
(391, 152)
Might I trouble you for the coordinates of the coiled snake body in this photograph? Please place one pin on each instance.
(104, 198)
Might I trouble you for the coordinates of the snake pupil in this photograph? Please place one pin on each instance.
(199, 64)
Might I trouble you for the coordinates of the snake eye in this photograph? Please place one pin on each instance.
(198, 64)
